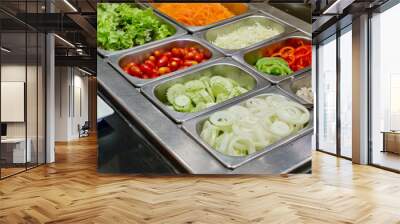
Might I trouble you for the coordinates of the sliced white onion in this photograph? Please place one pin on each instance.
(239, 143)
(222, 119)
(253, 125)
(281, 128)
(294, 113)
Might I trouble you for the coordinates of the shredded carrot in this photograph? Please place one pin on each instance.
(196, 14)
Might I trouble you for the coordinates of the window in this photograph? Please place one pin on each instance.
(385, 85)
(327, 96)
(346, 92)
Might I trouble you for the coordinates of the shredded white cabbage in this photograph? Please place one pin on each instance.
(245, 36)
(306, 94)
(254, 124)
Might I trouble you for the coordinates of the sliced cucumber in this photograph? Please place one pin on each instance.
(194, 85)
(182, 103)
(174, 91)
(220, 85)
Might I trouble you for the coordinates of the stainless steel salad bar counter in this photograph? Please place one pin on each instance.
(178, 133)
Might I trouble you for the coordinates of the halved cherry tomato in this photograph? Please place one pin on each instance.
(189, 56)
(168, 54)
(152, 58)
(183, 51)
(130, 64)
(178, 60)
(163, 61)
(135, 71)
(207, 54)
(164, 70)
(176, 52)
(199, 57)
(173, 65)
(150, 63)
(154, 73)
(146, 69)
(157, 53)
(190, 62)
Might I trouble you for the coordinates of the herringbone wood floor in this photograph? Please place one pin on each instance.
(71, 191)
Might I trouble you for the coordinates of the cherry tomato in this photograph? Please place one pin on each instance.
(145, 76)
(207, 54)
(199, 57)
(150, 63)
(145, 68)
(189, 56)
(135, 71)
(130, 64)
(157, 53)
(168, 54)
(192, 49)
(190, 62)
(176, 52)
(164, 70)
(152, 58)
(163, 61)
(178, 60)
(183, 52)
(126, 69)
(173, 65)
(154, 74)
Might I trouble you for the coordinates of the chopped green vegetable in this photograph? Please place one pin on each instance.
(121, 26)
(273, 66)
(203, 92)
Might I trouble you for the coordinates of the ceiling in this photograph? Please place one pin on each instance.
(332, 15)
(72, 20)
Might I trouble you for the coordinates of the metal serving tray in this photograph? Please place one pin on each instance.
(193, 128)
(178, 32)
(139, 55)
(211, 34)
(239, 9)
(226, 67)
(296, 82)
(250, 56)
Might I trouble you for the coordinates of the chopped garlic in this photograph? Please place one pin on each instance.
(305, 93)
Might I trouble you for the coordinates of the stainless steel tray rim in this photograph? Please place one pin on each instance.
(233, 162)
(178, 117)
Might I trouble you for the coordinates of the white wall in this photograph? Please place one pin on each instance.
(71, 94)
(16, 73)
(33, 126)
